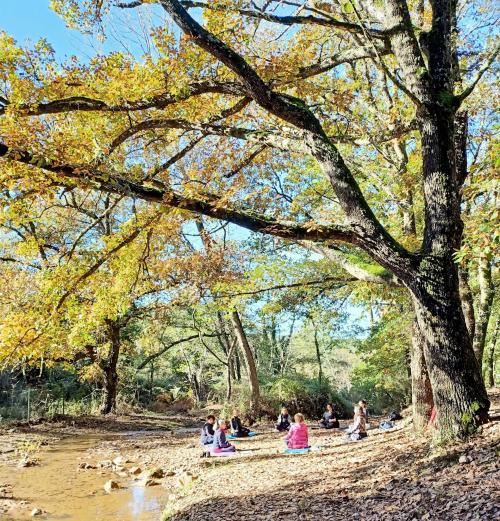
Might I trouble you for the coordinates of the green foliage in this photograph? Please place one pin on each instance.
(382, 378)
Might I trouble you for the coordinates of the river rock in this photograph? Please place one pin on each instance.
(169, 473)
(156, 472)
(27, 462)
(135, 470)
(120, 468)
(122, 474)
(464, 459)
(36, 512)
(84, 465)
(105, 464)
(110, 485)
(120, 460)
(150, 482)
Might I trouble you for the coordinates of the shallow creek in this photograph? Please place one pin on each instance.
(64, 492)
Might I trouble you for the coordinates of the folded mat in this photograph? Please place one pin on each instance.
(233, 437)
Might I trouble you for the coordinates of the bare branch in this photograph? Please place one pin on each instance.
(468, 91)
(289, 20)
(162, 351)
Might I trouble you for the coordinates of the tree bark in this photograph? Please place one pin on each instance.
(457, 386)
(109, 368)
(237, 366)
(467, 301)
(230, 371)
(318, 356)
(490, 366)
(421, 391)
(486, 294)
(249, 362)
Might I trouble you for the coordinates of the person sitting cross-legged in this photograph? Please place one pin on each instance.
(330, 419)
(220, 444)
(207, 435)
(284, 420)
(298, 435)
(237, 428)
(357, 431)
(207, 432)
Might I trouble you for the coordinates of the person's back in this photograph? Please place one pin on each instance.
(298, 435)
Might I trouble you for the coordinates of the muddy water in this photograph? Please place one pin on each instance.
(66, 493)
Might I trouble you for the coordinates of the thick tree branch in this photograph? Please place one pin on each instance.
(210, 205)
(160, 101)
(286, 142)
(374, 237)
(350, 267)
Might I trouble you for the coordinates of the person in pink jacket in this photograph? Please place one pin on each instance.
(298, 437)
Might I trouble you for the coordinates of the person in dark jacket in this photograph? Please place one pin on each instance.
(237, 428)
(330, 419)
(284, 420)
(207, 432)
(220, 444)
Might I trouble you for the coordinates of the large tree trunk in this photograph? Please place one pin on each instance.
(249, 362)
(421, 390)
(490, 365)
(109, 368)
(486, 294)
(457, 386)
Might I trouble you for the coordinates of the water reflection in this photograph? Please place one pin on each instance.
(65, 493)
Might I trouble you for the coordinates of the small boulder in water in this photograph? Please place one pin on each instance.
(110, 485)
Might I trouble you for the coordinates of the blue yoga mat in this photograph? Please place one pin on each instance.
(233, 437)
(312, 448)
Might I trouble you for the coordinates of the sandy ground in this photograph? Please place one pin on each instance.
(390, 475)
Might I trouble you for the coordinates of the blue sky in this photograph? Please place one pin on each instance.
(30, 20)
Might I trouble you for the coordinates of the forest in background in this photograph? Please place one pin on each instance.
(124, 287)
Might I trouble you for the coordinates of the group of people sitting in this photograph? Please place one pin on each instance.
(329, 420)
(213, 433)
(214, 440)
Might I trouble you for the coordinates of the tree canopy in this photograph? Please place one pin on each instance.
(358, 137)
